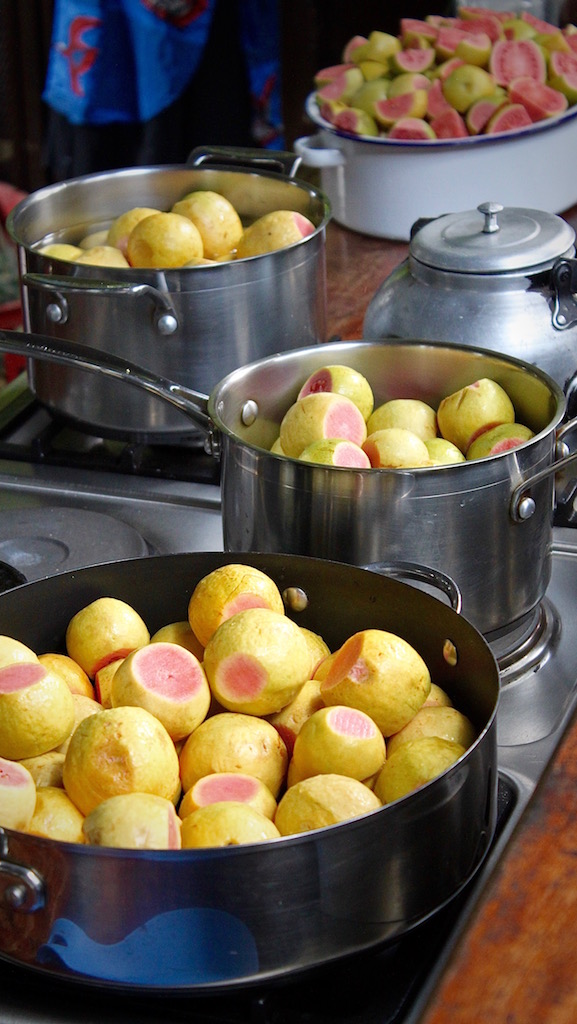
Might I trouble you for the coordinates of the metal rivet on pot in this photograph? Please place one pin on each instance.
(526, 508)
(167, 323)
(249, 413)
(450, 653)
(15, 896)
(57, 314)
(295, 599)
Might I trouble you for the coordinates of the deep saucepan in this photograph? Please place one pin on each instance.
(193, 324)
(487, 524)
(212, 919)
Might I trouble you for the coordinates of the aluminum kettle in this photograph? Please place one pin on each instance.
(503, 278)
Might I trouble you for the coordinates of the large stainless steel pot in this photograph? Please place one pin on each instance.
(497, 277)
(487, 524)
(213, 918)
(193, 324)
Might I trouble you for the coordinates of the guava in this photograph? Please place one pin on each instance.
(436, 102)
(326, 75)
(356, 122)
(480, 20)
(380, 46)
(566, 83)
(474, 48)
(516, 58)
(449, 125)
(411, 128)
(415, 29)
(540, 101)
(369, 93)
(351, 48)
(408, 104)
(412, 60)
(508, 118)
(467, 84)
(343, 86)
(481, 112)
(408, 81)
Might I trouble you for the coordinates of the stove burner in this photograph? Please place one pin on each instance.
(528, 644)
(43, 542)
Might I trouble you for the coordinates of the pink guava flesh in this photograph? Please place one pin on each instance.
(320, 381)
(12, 774)
(214, 789)
(20, 676)
(174, 840)
(241, 677)
(304, 225)
(117, 655)
(348, 663)
(241, 603)
(169, 670)
(349, 722)
(345, 421)
(507, 444)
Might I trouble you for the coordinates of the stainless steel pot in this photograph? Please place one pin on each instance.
(487, 524)
(210, 919)
(193, 324)
(494, 277)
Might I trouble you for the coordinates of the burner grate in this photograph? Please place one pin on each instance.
(29, 433)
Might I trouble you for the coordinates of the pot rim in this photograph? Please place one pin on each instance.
(25, 208)
(328, 349)
(299, 839)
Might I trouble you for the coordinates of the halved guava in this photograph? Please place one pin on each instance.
(436, 102)
(562, 63)
(483, 22)
(481, 112)
(412, 129)
(414, 27)
(406, 104)
(449, 125)
(516, 58)
(413, 59)
(508, 118)
(539, 100)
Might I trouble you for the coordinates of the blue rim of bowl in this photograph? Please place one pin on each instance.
(530, 131)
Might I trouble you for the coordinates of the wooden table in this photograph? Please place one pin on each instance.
(517, 961)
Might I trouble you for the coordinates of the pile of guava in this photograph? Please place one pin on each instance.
(479, 73)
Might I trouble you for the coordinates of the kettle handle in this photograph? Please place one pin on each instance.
(564, 284)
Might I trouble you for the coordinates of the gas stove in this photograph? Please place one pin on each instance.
(70, 500)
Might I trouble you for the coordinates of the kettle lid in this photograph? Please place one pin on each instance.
(492, 239)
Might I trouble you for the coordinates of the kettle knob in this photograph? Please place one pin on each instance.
(490, 211)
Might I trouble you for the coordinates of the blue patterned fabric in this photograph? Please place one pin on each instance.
(125, 61)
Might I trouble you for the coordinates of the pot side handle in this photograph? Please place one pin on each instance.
(274, 160)
(423, 573)
(564, 284)
(57, 350)
(522, 505)
(315, 154)
(21, 888)
(165, 318)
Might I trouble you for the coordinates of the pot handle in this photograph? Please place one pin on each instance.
(423, 573)
(315, 154)
(275, 160)
(522, 504)
(57, 350)
(22, 888)
(564, 282)
(165, 319)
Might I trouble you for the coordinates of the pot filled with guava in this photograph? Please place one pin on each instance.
(478, 104)
(485, 520)
(497, 276)
(202, 291)
(209, 917)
